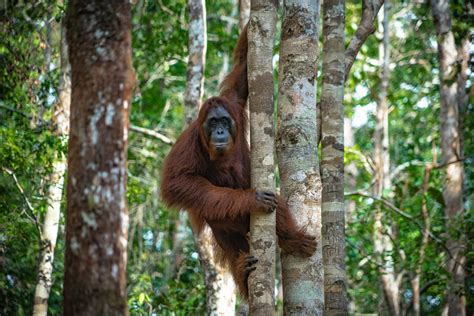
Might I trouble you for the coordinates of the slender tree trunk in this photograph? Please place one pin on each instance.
(303, 282)
(332, 158)
(455, 303)
(244, 8)
(228, 30)
(55, 191)
(220, 289)
(415, 281)
(350, 171)
(261, 32)
(197, 44)
(99, 38)
(383, 246)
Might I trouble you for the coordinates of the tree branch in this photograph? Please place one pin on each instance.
(152, 133)
(32, 217)
(397, 210)
(370, 8)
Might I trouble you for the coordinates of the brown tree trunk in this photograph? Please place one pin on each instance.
(449, 73)
(303, 284)
(261, 32)
(383, 245)
(99, 41)
(55, 191)
(415, 280)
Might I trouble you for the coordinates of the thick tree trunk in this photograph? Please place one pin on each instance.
(99, 41)
(197, 44)
(332, 158)
(261, 32)
(455, 303)
(383, 246)
(297, 148)
(55, 191)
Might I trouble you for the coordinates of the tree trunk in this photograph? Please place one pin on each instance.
(455, 303)
(55, 191)
(297, 148)
(383, 246)
(99, 41)
(350, 170)
(197, 44)
(220, 289)
(332, 158)
(261, 32)
(244, 10)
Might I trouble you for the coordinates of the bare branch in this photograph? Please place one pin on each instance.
(397, 210)
(32, 217)
(370, 8)
(152, 133)
(405, 165)
(13, 110)
(366, 160)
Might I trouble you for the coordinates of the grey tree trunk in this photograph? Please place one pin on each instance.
(449, 73)
(244, 14)
(220, 287)
(99, 38)
(383, 246)
(55, 191)
(261, 32)
(197, 44)
(332, 158)
(303, 284)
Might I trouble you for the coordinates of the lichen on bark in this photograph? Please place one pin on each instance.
(262, 241)
(297, 152)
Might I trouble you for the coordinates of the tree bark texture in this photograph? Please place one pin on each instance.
(55, 191)
(99, 38)
(332, 158)
(297, 149)
(261, 32)
(197, 44)
(220, 287)
(383, 245)
(455, 303)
